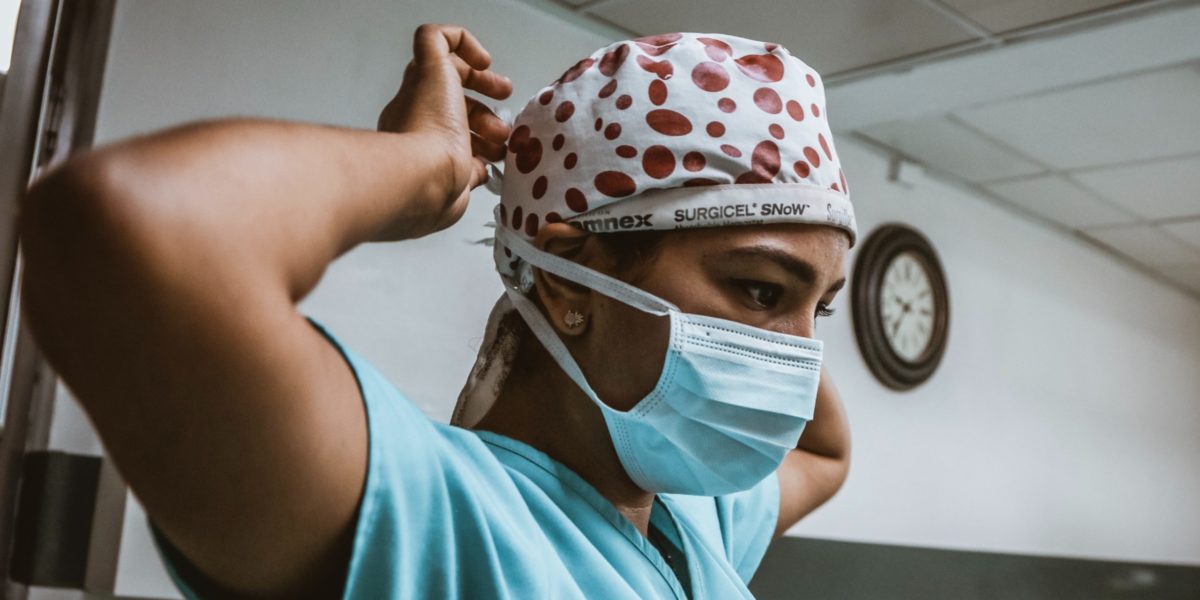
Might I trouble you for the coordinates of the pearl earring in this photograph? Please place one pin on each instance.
(573, 318)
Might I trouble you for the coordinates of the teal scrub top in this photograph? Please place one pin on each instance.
(449, 512)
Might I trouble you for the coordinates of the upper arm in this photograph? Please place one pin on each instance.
(240, 429)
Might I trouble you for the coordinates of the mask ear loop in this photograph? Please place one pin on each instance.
(609, 286)
(602, 283)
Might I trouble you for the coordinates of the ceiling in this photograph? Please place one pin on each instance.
(1081, 114)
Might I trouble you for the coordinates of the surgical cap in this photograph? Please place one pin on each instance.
(671, 131)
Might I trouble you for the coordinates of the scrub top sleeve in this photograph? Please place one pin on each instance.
(748, 520)
(408, 502)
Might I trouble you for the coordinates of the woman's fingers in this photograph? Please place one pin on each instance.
(434, 41)
(489, 150)
(485, 123)
(479, 174)
(488, 83)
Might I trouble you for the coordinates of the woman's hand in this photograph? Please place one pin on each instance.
(430, 103)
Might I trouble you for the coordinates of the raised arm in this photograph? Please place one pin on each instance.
(816, 469)
(161, 279)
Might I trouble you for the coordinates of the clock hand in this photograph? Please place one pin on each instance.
(896, 324)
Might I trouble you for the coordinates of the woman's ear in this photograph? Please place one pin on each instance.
(568, 305)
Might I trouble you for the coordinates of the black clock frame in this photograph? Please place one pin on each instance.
(877, 252)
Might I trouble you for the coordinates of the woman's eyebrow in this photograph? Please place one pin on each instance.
(802, 269)
(799, 267)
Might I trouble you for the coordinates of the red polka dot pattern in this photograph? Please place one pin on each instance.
(564, 111)
(662, 68)
(658, 161)
(655, 45)
(528, 149)
(716, 49)
(576, 200)
(768, 100)
(613, 61)
(813, 158)
(658, 92)
(615, 183)
(795, 110)
(710, 77)
(676, 110)
(575, 71)
(767, 68)
(668, 122)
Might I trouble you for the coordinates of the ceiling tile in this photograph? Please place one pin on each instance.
(1060, 200)
(1188, 277)
(1186, 231)
(829, 36)
(1155, 190)
(1134, 118)
(941, 143)
(1146, 244)
(1005, 15)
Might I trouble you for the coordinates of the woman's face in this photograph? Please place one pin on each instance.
(778, 277)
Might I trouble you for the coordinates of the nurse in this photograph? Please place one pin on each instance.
(649, 407)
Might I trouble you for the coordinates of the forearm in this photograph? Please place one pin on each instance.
(812, 473)
(828, 434)
(277, 198)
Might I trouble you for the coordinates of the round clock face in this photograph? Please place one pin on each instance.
(900, 306)
(906, 304)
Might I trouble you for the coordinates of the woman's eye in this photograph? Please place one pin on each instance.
(765, 294)
(823, 310)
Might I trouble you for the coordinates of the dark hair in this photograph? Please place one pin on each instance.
(631, 250)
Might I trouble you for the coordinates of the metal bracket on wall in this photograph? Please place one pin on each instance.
(50, 100)
(69, 519)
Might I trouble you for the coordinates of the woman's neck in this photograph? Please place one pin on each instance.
(545, 409)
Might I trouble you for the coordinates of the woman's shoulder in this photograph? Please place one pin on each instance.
(401, 435)
(433, 493)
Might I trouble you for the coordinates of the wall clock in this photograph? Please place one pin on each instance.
(900, 306)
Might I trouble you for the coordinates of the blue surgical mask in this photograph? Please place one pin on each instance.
(729, 404)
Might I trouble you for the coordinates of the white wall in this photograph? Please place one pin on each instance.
(1062, 420)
